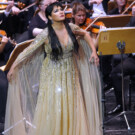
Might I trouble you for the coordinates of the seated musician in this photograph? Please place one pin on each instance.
(121, 6)
(38, 21)
(4, 15)
(5, 49)
(98, 6)
(79, 17)
(128, 69)
(18, 21)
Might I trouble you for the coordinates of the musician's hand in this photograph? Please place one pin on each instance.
(10, 5)
(95, 1)
(15, 10)
(133, 10)
(52, 1)
(102, 27)
(94, 58)
(4, 40)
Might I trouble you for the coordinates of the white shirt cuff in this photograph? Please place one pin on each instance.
(7, 13)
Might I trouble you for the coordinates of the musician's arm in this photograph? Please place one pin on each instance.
(3, 43)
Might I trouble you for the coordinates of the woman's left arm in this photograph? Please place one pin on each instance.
(80, 32)
(94, 56)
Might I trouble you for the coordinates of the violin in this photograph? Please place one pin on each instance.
(29, 6)
(3, 33)
(68, 13)
(128, 8)
(4, 3)
(94, 28)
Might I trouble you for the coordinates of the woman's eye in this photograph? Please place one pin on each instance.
(55, 10)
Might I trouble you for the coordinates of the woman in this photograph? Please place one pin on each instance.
(80, 18)
(5, 49)
(67, 100)
(121, 4)
(39, 21)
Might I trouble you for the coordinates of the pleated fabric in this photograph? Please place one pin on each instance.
(50, 97)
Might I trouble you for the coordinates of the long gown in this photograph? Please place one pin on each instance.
(50, 97)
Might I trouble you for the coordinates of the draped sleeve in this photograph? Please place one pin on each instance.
(33, 47)
(90, 80)
(23, 89)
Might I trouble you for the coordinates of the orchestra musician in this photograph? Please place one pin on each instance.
(5, 49)
(38, 21)
(18, 21)
(79, 17)
(97, 6)
(122, 5)
(7, 11)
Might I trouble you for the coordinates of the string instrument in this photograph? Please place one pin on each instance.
(128, 8)
(68, 13)
(94, 28)
(26, 8)
(4, 3)
(3, 33)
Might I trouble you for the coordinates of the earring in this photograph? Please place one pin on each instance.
(52, 21)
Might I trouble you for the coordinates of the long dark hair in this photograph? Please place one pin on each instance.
(55, 44)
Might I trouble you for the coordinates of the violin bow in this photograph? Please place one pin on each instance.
(128, 7)
(93, 22)
(25, 9)
(6, 3)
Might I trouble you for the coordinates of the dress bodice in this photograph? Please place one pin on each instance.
(67, 50)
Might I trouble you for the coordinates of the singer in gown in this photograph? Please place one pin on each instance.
(59, 94)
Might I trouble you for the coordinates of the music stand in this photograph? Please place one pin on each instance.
(117, 41)
(115, 20)
(17, 50)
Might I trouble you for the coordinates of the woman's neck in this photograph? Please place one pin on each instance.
(42, 16)
(58, 25)
(120, 8)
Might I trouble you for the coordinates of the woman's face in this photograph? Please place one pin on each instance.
(57, 14)
(121, 2)
(79, 17)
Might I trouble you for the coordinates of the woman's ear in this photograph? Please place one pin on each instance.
(50, 17)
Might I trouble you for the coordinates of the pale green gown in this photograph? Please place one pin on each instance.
(68, 99)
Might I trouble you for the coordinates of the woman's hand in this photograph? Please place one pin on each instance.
(94, 58)
(11, 73)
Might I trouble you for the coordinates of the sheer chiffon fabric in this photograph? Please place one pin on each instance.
(50, 97)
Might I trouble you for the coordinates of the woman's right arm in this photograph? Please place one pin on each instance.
(31, 49)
